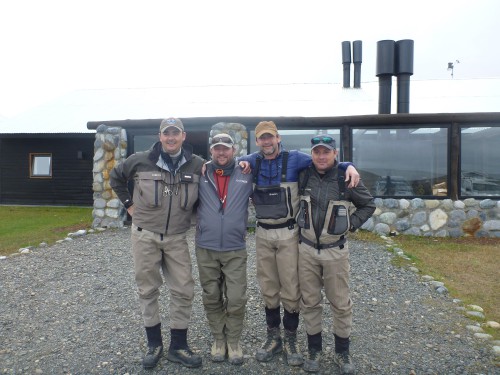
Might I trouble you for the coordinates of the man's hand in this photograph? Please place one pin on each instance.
(352, 175)
(130, 210)
(245, 165)
(203, 169)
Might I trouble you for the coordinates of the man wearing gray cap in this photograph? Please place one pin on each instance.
(221, 229)
(325, 218)
(166, 179)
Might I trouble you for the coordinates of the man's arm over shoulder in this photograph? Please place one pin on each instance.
(303, 160)
(249, 158)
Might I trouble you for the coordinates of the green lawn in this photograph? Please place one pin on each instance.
(22, 226)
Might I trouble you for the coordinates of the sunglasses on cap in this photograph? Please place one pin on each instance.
(218, 139)
(323, 139)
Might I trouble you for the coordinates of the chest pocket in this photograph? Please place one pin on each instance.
(148, 189)
(188, 189)
(338, 218)
(270, 202)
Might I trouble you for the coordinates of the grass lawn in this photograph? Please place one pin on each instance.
(22, 226)
(469, 267)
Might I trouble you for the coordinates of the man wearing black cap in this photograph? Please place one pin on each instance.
(166, 182)
(221, 229)
(276, 199)
(325, 218)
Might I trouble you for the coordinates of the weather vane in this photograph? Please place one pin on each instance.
(451, 66)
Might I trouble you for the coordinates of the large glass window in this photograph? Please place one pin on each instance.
(40, 165)
(401, 162)
(144, 142)
(300, 139)
(480, 161)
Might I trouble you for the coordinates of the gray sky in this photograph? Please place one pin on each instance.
(52, 47)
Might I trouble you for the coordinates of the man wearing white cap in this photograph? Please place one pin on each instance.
(221, 229)
(166, 179)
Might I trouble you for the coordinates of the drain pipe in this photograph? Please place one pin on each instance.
(357, 59)
(346, 62)
(404, 69)
(385, 71)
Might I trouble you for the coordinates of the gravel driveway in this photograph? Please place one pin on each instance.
(72, 309)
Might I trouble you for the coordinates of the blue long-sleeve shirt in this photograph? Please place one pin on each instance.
(271, 169)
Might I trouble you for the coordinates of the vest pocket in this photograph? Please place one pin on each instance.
(148, 189)
(303, 216)
(188, 190)
(270, 202)
(339, 220)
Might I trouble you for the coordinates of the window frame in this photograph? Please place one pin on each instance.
(32, 160)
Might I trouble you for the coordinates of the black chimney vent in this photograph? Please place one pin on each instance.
(357, 60)
(385, 71)
(346, 61)
(404, 69)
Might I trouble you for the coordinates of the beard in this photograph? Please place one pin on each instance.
(268, 151)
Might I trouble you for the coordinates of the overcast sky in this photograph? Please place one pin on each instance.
(51, 47)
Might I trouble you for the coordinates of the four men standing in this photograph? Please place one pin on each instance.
(167, 183)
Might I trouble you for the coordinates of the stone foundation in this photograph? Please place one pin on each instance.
(436, 218)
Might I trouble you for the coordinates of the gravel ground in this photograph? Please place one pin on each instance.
(72, 309)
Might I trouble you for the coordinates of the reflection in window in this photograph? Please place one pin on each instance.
(402, 162)
(40, 165)
(479, 161)
(300, 139)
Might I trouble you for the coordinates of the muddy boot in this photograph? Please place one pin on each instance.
(272, 345)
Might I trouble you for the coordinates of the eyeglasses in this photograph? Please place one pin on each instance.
(217, 139)
(325, 140)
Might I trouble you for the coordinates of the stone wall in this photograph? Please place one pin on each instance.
(237, 131)
(436, 218)
(110, 147)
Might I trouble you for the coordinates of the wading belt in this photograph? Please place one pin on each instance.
(340, 243)
(287, 224)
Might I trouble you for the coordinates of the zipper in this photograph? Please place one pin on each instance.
(156, 193)
(290, 208)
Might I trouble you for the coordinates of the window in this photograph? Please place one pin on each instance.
(40, 165)
(402, 162)
(479, 156)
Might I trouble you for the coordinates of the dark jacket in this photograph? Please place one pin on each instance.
(322, 195)
(163, 200)
(223, 229)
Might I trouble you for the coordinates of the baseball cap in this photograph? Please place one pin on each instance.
(222, 139)
(323, 140)
(171, 122)
(264, 127)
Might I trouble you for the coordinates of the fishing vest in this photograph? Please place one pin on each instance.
(275, 205)
(337, 219)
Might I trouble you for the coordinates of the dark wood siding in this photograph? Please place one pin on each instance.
(71, 182)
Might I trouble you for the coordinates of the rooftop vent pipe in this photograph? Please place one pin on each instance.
(357, 59)
(404, 69)
(346, 61)
(385, 71)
